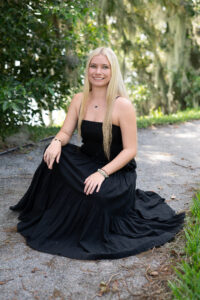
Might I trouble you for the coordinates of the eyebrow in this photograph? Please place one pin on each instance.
(101, 64)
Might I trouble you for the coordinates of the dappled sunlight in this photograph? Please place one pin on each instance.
(155, 157)
(190, 135)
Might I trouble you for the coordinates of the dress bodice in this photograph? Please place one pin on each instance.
(92, 138)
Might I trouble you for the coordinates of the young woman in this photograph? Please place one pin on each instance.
(82, 202)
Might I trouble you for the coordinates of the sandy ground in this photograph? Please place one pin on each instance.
(168, 163)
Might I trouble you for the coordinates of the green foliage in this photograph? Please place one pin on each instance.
(40, 132)
(141, 97)
(158, 42)
(158, 118)
(14, 106)
(186, 286)
(43, 48)
(192, 98)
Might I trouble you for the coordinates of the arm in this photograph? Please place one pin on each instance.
(53, 151)
(70, 122)
(127, 121)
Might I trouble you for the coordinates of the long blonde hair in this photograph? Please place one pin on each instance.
(115, 88)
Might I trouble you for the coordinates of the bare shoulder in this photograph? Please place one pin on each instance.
(124, 108)
(123, 103)
(76, 101)
(77, 98)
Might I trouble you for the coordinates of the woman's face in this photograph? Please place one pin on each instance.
(99, 71)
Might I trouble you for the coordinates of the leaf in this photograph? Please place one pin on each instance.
(34, 270)
(115, 286)
(154, 273)
(51, 91)
(5, 106)
(104, 288)
(15, 107)
(5, 281)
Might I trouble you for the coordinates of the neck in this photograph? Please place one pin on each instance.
(98, 94)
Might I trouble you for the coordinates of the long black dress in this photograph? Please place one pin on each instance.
(58, 218)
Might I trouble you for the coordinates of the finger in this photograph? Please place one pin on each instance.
(58, 158)
(86, 180)
(51, 163)
(89, 191)
(48, 161)
(46, 157)
(88, 187)
(93, 188)
(98, 187)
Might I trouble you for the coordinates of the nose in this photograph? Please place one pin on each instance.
(98, 70)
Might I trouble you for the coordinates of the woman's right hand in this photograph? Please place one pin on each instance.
(52, 153)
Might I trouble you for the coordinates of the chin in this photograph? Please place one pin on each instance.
(99, 84)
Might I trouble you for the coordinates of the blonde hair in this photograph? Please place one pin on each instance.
(115, 88)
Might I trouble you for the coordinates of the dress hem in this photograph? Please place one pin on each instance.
(117, 255)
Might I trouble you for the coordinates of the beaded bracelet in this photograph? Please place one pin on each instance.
(102, 172)
(105, 172)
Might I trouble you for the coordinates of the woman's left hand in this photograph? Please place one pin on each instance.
(92, 182)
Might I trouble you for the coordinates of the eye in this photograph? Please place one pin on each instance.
(92, 66)
(105, 67)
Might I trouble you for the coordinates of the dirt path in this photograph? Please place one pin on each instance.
(168, 163)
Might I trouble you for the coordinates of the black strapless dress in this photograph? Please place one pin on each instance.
(58, 218)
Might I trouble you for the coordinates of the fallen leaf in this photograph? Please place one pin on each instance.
(104, 288)
(5, 281)
(153, 273)
(115, 286)
(174, 253)
(34, 270)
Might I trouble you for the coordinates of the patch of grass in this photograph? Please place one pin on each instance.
(187, 284)
(40, 132)
(157, 118)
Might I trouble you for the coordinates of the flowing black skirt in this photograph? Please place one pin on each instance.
(58, 218)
